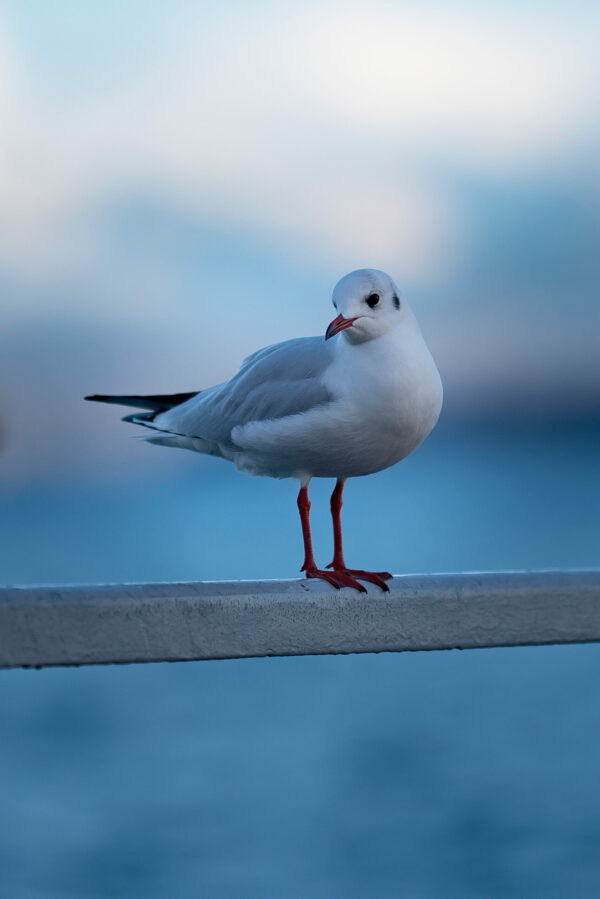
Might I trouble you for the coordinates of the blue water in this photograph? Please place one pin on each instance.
(455, 774)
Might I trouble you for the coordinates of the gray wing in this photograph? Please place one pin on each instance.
(274, 382)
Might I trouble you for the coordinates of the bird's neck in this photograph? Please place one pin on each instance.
(392, 343)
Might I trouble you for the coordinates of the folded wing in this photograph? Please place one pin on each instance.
(273, 383)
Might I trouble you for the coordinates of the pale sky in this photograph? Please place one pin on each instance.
(173, 173)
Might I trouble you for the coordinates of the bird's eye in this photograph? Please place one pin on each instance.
(372, 300)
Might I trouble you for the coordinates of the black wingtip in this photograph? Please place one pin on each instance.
(158, 402)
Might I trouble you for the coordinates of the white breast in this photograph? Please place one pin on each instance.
(392, 392)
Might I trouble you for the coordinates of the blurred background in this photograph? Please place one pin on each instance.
(180, 184)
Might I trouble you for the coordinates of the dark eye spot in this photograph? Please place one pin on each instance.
(372, 300)
(396, 301)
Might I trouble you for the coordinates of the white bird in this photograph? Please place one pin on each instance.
(338, 408)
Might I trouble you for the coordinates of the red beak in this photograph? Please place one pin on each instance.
(339, 324)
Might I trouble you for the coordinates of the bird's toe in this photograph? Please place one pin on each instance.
(378, 578)
(335, 578)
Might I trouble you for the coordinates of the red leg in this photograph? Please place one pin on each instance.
(339, 566)
(304, 509)
(336, 509)
(335, 578)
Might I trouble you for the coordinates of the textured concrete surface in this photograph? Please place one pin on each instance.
(176, 622)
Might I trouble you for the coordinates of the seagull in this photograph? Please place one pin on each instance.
(352, 404)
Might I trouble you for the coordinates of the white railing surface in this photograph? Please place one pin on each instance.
(225, 620)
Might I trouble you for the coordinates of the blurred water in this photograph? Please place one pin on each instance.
(419, 775)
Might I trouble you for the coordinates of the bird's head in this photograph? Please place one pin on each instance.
(368, 305)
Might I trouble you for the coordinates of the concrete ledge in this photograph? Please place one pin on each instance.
(225, 620)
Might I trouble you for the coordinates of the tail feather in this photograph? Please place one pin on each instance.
(140, 418)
